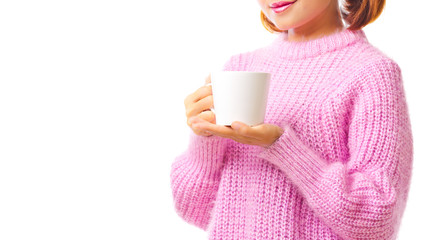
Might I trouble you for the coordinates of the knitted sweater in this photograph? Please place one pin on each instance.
(340, 170)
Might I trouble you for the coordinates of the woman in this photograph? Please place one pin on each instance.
(334, 157)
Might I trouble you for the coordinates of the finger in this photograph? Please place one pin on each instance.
(203, 104)
(225, 132)
(205, 134)
(203, 92)
(208, 79)
(192, 123)
(202, 133)
(195, 120)
(208, 116)
(240, 139)
(191, 120)
(243, 129)
(200, 93)
(218, 130)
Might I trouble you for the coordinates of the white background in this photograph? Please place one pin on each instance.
(92, 113)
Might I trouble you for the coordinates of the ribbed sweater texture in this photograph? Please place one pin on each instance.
(341, 169)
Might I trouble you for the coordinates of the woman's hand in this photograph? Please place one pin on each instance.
(262, 135)
(198, 104)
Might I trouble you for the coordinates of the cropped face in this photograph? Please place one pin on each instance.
(291, 14)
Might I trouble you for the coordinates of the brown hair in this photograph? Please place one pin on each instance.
(268, 24)
(356, 13)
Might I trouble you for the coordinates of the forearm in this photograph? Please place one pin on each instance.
(358, 204)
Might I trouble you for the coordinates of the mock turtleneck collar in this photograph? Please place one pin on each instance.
(314, 47)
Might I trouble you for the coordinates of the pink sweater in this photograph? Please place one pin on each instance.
(342, 168)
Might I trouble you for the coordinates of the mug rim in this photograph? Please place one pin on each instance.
(252, 72)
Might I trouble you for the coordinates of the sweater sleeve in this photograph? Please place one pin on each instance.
(364, 196)
(195, 177)
(196, 173)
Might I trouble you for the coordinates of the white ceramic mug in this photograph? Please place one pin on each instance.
(240, 96)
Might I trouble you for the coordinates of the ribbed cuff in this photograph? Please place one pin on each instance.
(206, 154)
(299, 162)
(310, 48)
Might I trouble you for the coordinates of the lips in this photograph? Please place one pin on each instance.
(281, 6)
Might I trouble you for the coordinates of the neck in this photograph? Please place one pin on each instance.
(326, 23)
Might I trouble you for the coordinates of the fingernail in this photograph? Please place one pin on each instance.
(236, 126)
